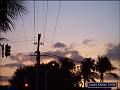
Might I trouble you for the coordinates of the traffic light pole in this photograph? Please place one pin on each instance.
(2, 47)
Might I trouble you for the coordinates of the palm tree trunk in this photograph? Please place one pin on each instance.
(84, 83)
(101, 77)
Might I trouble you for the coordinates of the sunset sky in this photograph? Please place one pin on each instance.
(84, 29)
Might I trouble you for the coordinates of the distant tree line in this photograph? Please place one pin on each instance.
(62, 75)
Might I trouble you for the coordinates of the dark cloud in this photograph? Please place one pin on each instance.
(5, 78)
(24, 58)
(71, 47)
(58, 52)
(59, 45)
(12, 65)
(14, 57)
(114, 52)
(75, 55)
(21, 60)
(20, 57)
(88, 42)
(110, 45)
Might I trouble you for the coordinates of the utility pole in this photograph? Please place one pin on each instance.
(37, 86)
(38, 63)
(38, 52)
(0, 64)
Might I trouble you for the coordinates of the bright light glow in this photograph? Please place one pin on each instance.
(26, 85)
(53, 64)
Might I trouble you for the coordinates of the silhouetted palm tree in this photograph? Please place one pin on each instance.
(87, 70)
(104, 66)
(77, 79)
(9, 12)
(66, 64)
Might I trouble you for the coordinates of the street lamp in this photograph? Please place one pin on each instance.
(53, 64)
(26, 85)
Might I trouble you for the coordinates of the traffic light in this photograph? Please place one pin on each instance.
(7, 50)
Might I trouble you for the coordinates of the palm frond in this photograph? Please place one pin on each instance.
(93, 80)
(6, 21)
(112, 75)
(94, 74)
(9, 12)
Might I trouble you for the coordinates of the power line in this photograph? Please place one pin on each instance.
(44, 32)
(45, 22)
(26, 40)
(34, 17)
(31, 21)
(24, 32)
(18, 41)
(34, 22)
(56, 21)
(43, 17)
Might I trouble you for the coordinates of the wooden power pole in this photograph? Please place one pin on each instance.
(38, 52)
(38, 63)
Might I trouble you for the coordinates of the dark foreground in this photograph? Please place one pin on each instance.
(12, 88)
